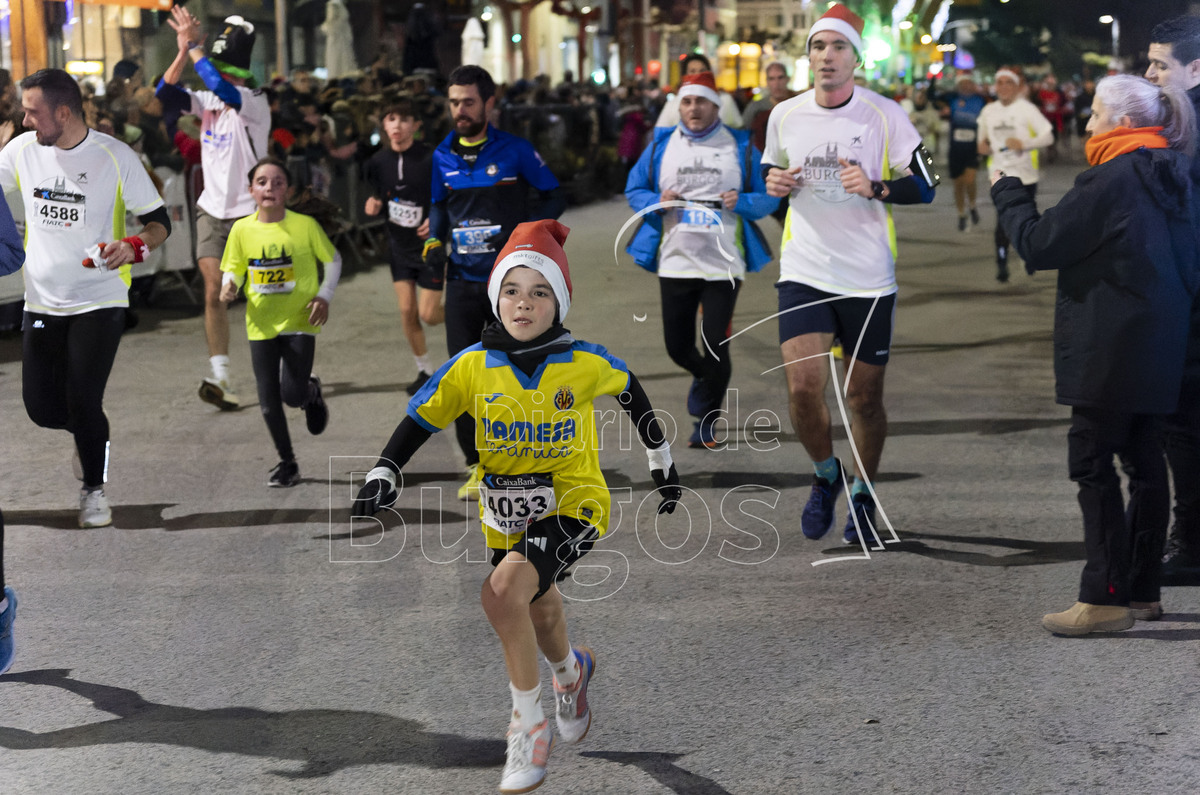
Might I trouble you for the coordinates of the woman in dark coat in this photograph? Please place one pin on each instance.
(1125, 248)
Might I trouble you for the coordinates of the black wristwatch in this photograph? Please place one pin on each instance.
(876, 189)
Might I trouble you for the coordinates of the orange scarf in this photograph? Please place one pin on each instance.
(1104, 147)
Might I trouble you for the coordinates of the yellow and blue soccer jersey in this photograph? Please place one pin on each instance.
(531, 425)
(278, 265)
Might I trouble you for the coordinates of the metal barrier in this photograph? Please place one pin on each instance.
(568, 137)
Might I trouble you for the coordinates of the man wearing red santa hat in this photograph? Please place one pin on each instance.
(841, 155)
(703, 245)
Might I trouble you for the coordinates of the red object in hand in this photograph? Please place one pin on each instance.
(90, 261)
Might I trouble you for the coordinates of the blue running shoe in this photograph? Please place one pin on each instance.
(703, 438)
(862, 509)
(818, 513)
(7, 646)
(571, 711)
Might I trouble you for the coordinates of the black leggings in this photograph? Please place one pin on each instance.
(67, 361)
(681, 298)
(468, 311)
(282, 369)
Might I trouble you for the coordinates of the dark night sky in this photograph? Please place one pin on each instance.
(1136, 17)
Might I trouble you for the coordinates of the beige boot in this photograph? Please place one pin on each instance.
(1084, 618)
(1146, 611)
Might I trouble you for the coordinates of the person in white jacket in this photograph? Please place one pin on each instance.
(1011, 130)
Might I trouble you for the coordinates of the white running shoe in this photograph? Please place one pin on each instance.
(571, 712)
(528, 751)
(93, 509)
(220, 394)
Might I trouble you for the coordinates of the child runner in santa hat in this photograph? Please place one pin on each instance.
(543, 501)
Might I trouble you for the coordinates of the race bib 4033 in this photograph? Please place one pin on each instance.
(512, 502)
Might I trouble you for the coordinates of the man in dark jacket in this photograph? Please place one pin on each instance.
(1175, 61)
(482, 184)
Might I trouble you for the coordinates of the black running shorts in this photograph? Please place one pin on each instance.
(962, 157)
(552, 545)
(408, 266)
(864, 325)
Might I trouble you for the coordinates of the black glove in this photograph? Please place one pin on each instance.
(435, 260)
(668, 487)
(375, 494)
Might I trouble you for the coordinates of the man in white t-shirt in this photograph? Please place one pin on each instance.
(235, 122)
(841, 154)
(1011, 130)
(77, 185)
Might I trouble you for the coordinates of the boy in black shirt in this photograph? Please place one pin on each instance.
(399, 176)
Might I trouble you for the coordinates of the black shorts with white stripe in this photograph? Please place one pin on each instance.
(552, 545)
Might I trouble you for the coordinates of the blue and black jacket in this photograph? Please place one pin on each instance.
(642, 190)
(476, 206)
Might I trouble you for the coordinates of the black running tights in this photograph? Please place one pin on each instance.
(468, 311)
(282, 368)
(67, 361)
(681, 300)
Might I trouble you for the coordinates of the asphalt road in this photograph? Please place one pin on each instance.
(227, 637)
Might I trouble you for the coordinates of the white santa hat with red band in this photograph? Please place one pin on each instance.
(839, 19)
(537, 245)
(701, 84)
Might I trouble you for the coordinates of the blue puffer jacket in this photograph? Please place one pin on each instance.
(642, 191)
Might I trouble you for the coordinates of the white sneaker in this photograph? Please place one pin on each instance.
(571, 712)
(220, 394)
(93, 509)
(528, 751)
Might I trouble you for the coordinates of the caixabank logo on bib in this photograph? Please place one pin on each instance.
(822, 171)
(57, 202)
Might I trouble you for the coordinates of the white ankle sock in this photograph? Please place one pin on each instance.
(220, 367)
(423, 364)
(566, 673)
(527, 707)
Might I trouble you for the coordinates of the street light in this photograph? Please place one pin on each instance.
(1109, 19)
